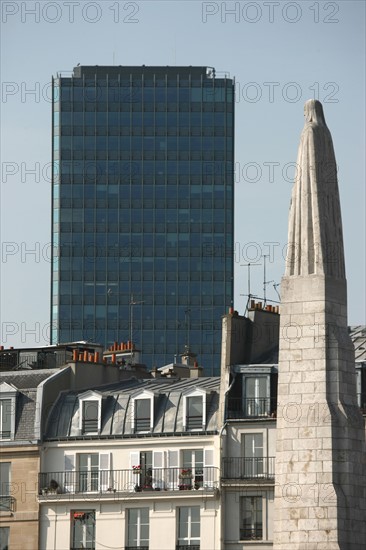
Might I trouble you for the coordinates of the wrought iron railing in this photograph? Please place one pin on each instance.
(142, 425)
(251, 533)
(194, 422)
(248, 468)
(119, 481)
(188, 547)
(252, 407)
(7, 503)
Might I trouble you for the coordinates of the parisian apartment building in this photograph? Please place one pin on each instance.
(101, 453)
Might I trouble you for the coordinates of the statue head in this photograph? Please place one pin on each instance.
(313, 112)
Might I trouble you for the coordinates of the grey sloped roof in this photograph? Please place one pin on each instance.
(26, 400)
(116, 420)
(25, 415)
(26, 379)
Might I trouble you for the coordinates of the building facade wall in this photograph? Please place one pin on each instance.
(22, 520)
(163, 500)
(244, 477)
(111, 522)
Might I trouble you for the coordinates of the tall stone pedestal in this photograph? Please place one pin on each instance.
(321, 455)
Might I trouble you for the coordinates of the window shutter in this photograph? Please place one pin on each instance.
(158, 459)
(209, 472)
(173, 472)
(70, 474)
(208, 456)
(158, 471)
(134, 458)
(173, 459)
(104, 471)
(133, 479)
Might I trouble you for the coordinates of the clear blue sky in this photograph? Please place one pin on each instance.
(281, 54)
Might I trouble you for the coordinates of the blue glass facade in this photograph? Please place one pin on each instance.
(143, 209)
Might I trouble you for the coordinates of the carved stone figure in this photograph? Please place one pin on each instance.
(315, 225)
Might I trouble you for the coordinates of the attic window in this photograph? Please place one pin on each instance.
(194, 410)
(142, 415)
(194, 420)
(7, 411)
(90, 416)
(90, 407)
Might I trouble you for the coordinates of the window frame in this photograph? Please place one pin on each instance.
(196, 393)
(189, 540)
(5, 486)
(148, 396)
(90, 396)
(254, 461)
(5, 543)
(254, 526)
(255, 405)
(8, 392)
(88, 476)
(139, 542)
(73, 520)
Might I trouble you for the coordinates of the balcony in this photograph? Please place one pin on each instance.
(253, 407)
(7, 503)
(96, 482)
(249, 468)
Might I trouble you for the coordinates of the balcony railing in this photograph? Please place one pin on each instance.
(194, 422)
(248, 468)
(121, 481)
(7, 503)
(251, 533)
(187, 547)
(252, 407)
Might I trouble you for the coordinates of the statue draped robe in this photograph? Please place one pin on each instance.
(314, 247)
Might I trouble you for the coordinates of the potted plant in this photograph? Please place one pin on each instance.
(52, 489)
(186, 473)
(186, 479)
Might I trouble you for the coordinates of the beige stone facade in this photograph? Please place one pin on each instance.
(22, 516)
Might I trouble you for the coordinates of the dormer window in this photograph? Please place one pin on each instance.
(142, 415)
(90, 407)
(143, 412)
(90, 416)
(5, 418)
(194, 411)
(7, 411)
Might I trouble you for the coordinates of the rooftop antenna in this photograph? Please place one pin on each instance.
(132, 303)
(265, 283)
(187, 318)
(249, 265)
(275, 285)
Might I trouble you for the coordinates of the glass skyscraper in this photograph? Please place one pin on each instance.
(142, 224)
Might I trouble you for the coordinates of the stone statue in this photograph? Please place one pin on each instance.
(315, 225)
